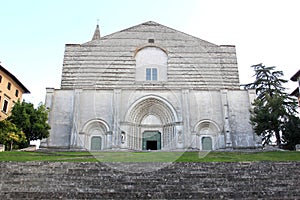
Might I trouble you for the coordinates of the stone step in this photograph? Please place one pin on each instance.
(54, 180)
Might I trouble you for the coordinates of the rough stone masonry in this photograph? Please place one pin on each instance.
(66, 180)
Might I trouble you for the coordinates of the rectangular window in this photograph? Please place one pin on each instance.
(154, 74)
(148, 74)
(151, 40)
(17, 93)
(8, 85)
(151, 74)
(5, 106)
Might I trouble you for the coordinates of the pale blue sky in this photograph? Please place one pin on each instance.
(34, 32)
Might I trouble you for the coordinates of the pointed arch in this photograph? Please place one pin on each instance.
(164, 119)
(151, 104)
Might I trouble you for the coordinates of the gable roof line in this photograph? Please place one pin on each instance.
(295, 76)
(14, 79)
(151, 23)
(295, 92)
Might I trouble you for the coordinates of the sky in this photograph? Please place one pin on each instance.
(33, 33)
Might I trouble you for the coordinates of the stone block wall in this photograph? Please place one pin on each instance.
(64, 180)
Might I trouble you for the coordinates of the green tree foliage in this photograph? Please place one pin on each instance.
(273, 109)
(292, 132)
(10, 135)
(33, 122)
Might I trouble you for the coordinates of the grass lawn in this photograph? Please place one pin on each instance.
(150, 156)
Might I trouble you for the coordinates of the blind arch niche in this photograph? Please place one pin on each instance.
(151, 57)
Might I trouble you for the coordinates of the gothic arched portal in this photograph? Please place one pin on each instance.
(151, 115)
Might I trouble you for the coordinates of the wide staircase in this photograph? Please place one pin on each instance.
(66, 180)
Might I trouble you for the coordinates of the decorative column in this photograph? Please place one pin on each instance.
(227, 129)
(109, 139)
(75, 128)
(186, 118)
(116, 141)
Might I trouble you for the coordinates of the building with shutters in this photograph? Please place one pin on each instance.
(11, 90)
(296, 78)
(149, 87)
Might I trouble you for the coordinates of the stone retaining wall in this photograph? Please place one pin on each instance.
(64, 180)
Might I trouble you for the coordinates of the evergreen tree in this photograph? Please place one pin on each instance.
(292, 132)
(273, 109)
(33, 122)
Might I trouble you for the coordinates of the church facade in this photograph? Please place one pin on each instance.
(149, 87)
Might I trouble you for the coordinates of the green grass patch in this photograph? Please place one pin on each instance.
(241, 156)
(153, 156)
(47, 156)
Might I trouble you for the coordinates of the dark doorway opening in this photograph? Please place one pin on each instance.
(151, 145)
(151, 140)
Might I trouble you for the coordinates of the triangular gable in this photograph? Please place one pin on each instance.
(153, 27)
(192, 62)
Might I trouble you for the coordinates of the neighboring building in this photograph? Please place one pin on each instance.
(296, 77)
(11, 90)
(2, 147)
(149, 87)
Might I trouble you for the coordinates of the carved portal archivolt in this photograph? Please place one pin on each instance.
(208, 131)
(95, 130)
(151, 113)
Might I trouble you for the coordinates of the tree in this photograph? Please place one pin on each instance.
(273, 109)
(10, 135)
(292, 132)
(33, 122)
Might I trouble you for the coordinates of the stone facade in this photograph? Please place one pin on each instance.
(149, 87)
